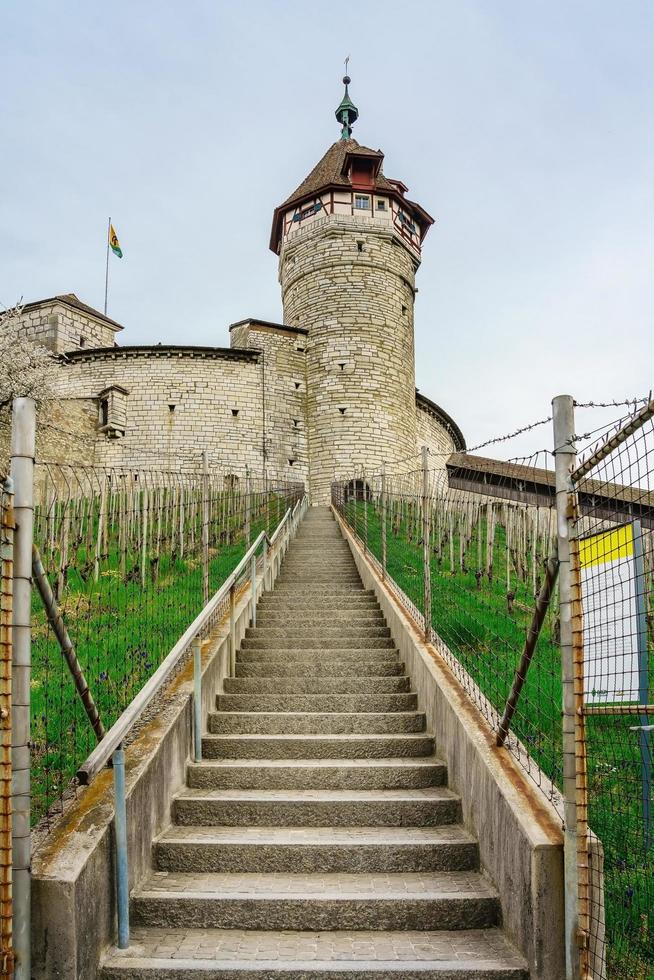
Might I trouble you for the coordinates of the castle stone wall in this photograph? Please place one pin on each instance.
(61, 328)
(283, 364)
(351, 283)
(432, 433)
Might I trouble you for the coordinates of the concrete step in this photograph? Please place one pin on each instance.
(302, 605)
(371, 655)
(262, 632)
(316, 746)
(317, 702)
(335, 617)
(316, 685)
(159, 953)
(308, 589)
(336, 642)
(318, 667)
(432, 901)
(365, 773)
(315, 723)
(317, 808)
(315, 850)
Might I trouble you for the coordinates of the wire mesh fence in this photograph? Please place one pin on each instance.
(469, 550)
(487, 565)
(129, 556)
(614, 560)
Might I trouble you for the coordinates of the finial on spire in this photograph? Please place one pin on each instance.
(347, 113)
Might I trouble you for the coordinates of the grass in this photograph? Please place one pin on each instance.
(122, 630)
(487, 640)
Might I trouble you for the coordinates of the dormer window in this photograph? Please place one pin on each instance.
(362, 202)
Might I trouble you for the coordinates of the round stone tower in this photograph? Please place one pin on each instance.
(349, 245)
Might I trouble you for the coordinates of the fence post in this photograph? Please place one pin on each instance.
(365, 514)
(248, 505)
(6, 592)
(571, 672)
(197, 699)
(383, 520)
(23, 437)
(426, 550)
(122, 866)
(205, 528)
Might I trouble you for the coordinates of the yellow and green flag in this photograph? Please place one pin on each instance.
(114, 243)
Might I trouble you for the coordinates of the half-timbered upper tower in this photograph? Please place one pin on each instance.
(349, 243)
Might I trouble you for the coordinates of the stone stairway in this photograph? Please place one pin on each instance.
(318, 837)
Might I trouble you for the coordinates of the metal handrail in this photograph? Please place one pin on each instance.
(98, 759)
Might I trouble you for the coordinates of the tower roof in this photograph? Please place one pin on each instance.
(331, 171)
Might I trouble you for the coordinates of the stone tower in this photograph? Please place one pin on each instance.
(349, 243)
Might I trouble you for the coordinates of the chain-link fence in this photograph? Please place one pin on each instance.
(613, 568)
(487, 565)
(471, 550)
(130, 557)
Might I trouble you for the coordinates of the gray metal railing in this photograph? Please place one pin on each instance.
(272, 549)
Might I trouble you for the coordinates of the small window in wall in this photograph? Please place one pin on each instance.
(342, 411)
(360, 246)
(362, 202)
(297, 384)
(300, 350)
(112, 411)
(381, 205)
(403, 308)
(290, 462)
(296, 423)
(82, 341)
(235, 412)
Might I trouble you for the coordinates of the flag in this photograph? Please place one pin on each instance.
(115, 244)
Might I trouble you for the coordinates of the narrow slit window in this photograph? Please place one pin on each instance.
(342, 411)
(235, 412)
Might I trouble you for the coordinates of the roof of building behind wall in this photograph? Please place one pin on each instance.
(73, 301)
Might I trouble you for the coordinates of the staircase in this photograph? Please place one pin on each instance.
(318, 837)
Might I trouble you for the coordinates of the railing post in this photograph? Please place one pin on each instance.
(232, 631)
(122, 865)
(197, 699)
(253, 580)
(23, 437)
(426, 539)
(205, 529)
(565, 455)
(265, 585)
(383, 520)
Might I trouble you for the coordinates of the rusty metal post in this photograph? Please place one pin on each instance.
(65, 643)
(426, 538)
(23, 438)
(383, 520)
(6, 609)
(205, 529)
(538, 618)
(574, 761)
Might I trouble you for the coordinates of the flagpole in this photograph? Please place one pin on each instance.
(106, 275)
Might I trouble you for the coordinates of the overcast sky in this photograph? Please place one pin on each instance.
(523, 126)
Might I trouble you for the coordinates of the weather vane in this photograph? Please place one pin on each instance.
(346, 61)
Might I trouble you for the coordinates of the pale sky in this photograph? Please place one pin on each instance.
(523, 126)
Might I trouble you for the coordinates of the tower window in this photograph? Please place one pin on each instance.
(297, 384)
(82, 341)
(296, 423)
(342, 411)
(171, 408)
(235, 412)
(360, 246)
(362, 202)
(342, 364)
(381, 205)
(403, 308)
(290, 462)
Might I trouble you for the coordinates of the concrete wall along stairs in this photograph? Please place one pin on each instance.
(318, 837)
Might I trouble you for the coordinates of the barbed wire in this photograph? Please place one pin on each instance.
(615, 404)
